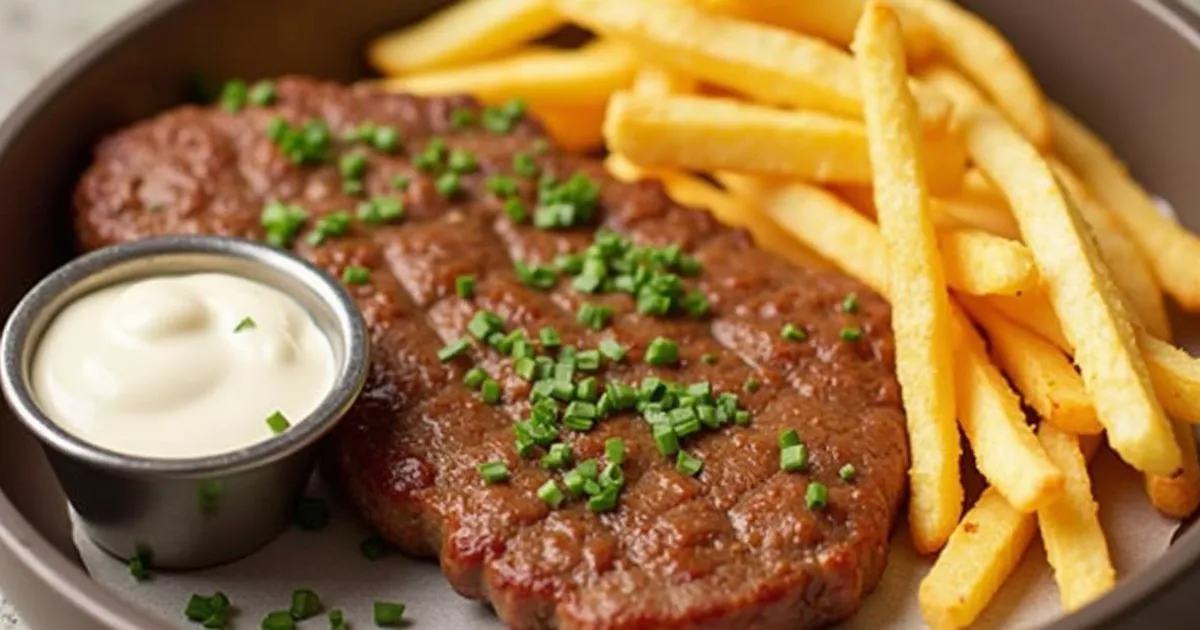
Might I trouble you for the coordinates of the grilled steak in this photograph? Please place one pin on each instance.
(740, 544)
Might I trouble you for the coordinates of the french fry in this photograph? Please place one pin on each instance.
(958, 211)
(916, 283)
(980, 555)
(1006, 451)
(463, 32)
(1130, 271)
(1041, 372)
(576, 128)
(653, 80)
(693, 191)
(982, 264)
(1178, 496)
(1170, 249)
(770, 64)
(953, 85)
(980, 51)
(1088, 306)
(582, 77)
(1075, 544)
(713, 134)
(833, 20)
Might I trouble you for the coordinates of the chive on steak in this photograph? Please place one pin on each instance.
(569, 431)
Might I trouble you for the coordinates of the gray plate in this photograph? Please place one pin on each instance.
(1131, 68)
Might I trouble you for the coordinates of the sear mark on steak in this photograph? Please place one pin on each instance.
(734, 547)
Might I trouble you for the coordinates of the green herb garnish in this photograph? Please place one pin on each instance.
(355, 275)
(278, 422)
(305, 604)
(494, 472)
(388, 614)
(817, 496)
(247, 323)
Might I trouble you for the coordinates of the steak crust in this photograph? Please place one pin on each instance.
(734, 547)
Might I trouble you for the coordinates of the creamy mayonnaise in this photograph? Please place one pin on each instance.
(181, 366)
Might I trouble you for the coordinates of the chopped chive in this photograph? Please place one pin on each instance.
(262, 94)
(211, 612)
(662, 351)
(614, 450)
(281, 222)
(622, 396)
(525, 367)
(278, 620)
(465, 286)
(551, 494)
(594, 316)
(792, 333)
(447, 185)
(502, 186)
(361, 133)
(353, 186)
(696, 304)
(612, 475)
(305, 604)
(234, 95)
(431, 157)
(574, 482)
(386, 139)
(462, 117)
(653, 304)
(388, 614)
(851, 333)
(687, 464)
(588, 360)
(665, 439)
(550, 338)
(751, 385)
(613, 350)
(493, 472)
(490, 392)
(793, 458)
(503, 118)
(337, 621)
(816, 496)
(848, 472)
(453, 349)
(475, 377)
(515, 210)
(741, 417)
(311, 514)
(139, 567)
(588, 389)
(353, 165)
(788, 438)
(590, 469)
(524, 165)
(709, 359)
(485, 323)
(605, 500)
(373, 548)
(558, 457)
(462, 162)
(537, 276)
(247, 323)
(400, 183)
(850, 303)
(579, 423)
(278, 422)
(355, 275)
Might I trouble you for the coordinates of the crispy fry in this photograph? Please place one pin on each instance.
(583, 77)
(1006, 451)
(655, 80)
(693, 191)
(1088, 305)
(1033, 311)
(703, 133)
(767, 63)
(1041, 372)
(833, 20)
(953, 85)
(574, 128)
(982, 264)
(1075, 545)
(1130, 271)
(983, 54)
(980, 555)
(959, 211)
(466, 31)
(916, 283)
(1170, 249)
(1178, 496)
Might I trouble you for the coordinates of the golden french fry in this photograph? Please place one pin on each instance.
(1041, 372)
(916, 283)
(1033, 311)
(980, 555)
(982, 53)
(1169, 248)
(1075, 545)
(1088, 306)
(1006, 451)
(1178, 496)
(463, 32)
(983, 264)
(693, 191)
(1130, 271)
(953, 85)
(575, 128)
(958, 211)
(712, 134)
(767, 63)
(582, 77)
(833, 20)
(655, 80)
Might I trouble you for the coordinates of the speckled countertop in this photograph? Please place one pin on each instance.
(35, 36)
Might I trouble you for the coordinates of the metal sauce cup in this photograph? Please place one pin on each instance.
(185, 513)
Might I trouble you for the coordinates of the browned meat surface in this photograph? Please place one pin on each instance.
(734, 547)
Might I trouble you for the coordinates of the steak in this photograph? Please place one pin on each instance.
(735, 546)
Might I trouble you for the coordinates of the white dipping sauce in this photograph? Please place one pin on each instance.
(181, 366)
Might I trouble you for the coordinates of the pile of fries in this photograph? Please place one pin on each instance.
(905, 143)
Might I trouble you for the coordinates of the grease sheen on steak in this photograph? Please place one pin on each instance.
(734, 547)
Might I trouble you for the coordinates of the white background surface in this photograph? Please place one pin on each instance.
(35, 35)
